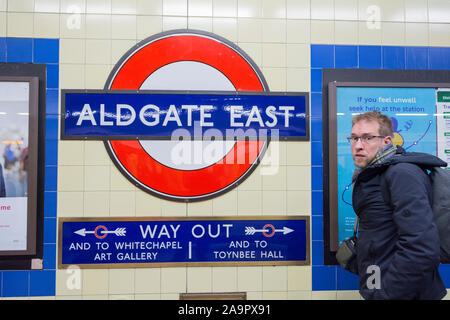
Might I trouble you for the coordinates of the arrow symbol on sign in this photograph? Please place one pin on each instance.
(118, 232)
(252, 230)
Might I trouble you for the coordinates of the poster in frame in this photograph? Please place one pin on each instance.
(19, 104)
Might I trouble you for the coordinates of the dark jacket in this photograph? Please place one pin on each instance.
(400, 237)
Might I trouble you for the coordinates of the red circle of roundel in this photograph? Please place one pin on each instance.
(137, 164)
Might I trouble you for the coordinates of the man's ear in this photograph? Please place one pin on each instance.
(387, 140)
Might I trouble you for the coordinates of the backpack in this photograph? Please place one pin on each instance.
(440, 185)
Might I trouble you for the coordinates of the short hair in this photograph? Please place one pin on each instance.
(385, 123)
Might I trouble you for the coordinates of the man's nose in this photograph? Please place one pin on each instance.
(358, 144)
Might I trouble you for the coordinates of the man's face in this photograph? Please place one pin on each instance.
(364, 153)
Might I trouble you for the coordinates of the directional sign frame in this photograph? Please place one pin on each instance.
(268, 223)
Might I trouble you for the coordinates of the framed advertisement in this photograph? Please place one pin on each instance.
(417, 102)
(19, 99)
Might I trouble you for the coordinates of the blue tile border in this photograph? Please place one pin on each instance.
(39, 282)
(362, 57)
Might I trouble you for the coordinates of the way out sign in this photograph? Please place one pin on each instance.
(187, 241)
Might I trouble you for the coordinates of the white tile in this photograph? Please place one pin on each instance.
(416, 34)
(98, 6)
(175, 7)
(72, 50)
(298, 31)
(202, 23)
(46, 25)
(369, 33)
(274, 9)
(119, 47)
(393, 33)
(170, 22)
(200, 8)
(72, 25)
(145, 7)
(147, 205)
(119, 182)
(249, 30)
(96, 204)
(98, 51)
(72, 76)
(276, 78)
(224, 279)
(249, 278)
(202, 208)
(3, 24)
(95, 282)
(21, 6)
(253, 50)
(19, 24)
(199, 279)
(96, 178)
(322, 9)
(173, 280)
(274, 30)
(225, 8)
(438, 11)
(298, 177)
(70, 152)
(226, 27)
(121, 281)
(70, 178)
(275, 181)
(70, 204)
(96, 75)
(275, 278)
(122, 204)
(226, 204)
(416, 11)
(298, 202)
(274, 55)
(322, 31)
(297, 56)
(148, 25)
(346, 9)
(274, 203)
(296, 9)
(95, 153)
(298, 79)
(249, 9)
(46, 6)
(147, 280)
(123, 27)
(298, 153)
(98, 26)
(439, 34)
(346, 32)
(124, 7)
(299, 278)
(249, 203)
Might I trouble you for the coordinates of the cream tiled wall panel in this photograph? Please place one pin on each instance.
(276, 34)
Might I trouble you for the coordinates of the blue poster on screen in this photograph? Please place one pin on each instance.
(412, 111)
(153, 241)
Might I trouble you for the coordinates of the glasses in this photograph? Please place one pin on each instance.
(364, 139)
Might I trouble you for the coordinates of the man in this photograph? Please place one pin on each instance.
(398, 243)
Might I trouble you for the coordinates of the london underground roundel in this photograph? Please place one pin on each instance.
(186, 60)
